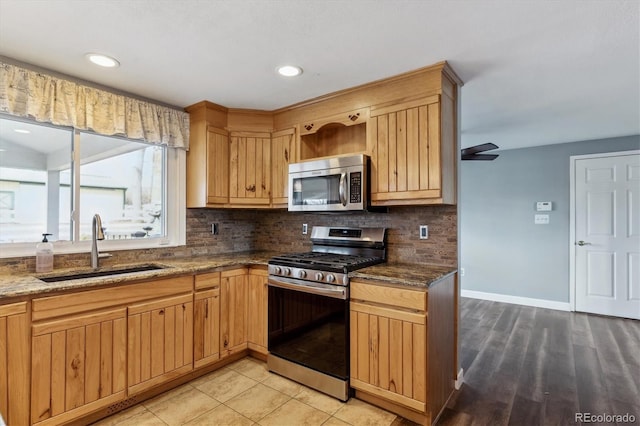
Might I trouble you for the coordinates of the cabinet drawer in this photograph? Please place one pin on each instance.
(209, 280)
(372, 291)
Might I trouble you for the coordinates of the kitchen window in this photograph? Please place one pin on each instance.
(54, 179)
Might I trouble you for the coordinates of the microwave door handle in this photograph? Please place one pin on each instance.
(343, 189)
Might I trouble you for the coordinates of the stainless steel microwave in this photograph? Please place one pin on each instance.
(329, 184)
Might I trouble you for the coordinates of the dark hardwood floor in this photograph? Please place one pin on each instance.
(533, 366)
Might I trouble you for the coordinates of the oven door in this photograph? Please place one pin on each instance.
(309, 325)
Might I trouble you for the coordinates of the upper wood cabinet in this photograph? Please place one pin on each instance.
(411, 162)
(250, 169)
(208, 156)
(14, 363)
(283, 152)
(407, 124)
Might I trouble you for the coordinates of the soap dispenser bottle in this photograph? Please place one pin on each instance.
(44, 255)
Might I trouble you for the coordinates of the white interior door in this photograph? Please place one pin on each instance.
(607, 235)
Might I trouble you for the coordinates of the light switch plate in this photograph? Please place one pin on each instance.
(424, 232)
(541, 219)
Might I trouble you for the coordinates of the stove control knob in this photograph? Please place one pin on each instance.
(331, 278)
(286, 271)
(302, 273)
(319, 276)
(277, 270)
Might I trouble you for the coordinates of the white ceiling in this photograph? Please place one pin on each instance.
(535, 72)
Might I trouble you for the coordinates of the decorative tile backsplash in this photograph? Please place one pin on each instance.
(279, 230)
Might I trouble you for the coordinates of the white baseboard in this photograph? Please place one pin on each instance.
(459, 379)
(527, 301)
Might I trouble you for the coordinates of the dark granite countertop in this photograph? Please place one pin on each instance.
(405, 274)
(28, 284)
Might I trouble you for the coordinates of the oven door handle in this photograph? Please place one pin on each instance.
(336, 292)
(343, 189)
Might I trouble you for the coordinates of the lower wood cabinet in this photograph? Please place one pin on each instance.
(160, 341)
(257, 310)
(206, 319)
(233, 311)
(78, 365)
(93, 349)
(403, 346)
(388, 344)
(14, 363)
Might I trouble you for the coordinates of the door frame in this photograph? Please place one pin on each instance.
(572, 215)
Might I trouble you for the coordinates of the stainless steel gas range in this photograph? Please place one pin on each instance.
(308, 316)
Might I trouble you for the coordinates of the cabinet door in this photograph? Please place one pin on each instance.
(206, 327)
(405, 146)
(78, 365)
(388, 354)
(257, 310)
(250, 169)
(217, 166)
(160, 341)
(283, 152)
(14, 363)
(233, 311)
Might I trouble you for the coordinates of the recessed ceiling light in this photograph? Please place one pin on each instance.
(22, 131)
(102, 60)
(289, 70)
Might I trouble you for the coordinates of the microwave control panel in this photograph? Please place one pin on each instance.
(355, 187)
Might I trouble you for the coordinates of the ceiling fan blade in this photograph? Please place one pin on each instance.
(479, 148)
(484, 157)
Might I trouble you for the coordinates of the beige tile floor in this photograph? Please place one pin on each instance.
(246, 393)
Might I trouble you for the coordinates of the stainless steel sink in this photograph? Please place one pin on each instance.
(100, 273)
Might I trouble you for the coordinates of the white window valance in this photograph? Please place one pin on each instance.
(32, 94)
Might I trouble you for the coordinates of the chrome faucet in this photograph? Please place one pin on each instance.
(96, 234)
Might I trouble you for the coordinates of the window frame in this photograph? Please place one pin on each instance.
(175, 208)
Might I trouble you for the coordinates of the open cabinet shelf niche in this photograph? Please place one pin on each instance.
(334, 139)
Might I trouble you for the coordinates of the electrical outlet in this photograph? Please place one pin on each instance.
(424, 232)
(214, 229)
(462, 272)
(304, 229)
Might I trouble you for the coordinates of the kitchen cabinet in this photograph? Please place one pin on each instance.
(233, 311)
(336, 134)
(283, 152)
(78, 365)
(403, 346)
(160, 341)
(206, 319)
(208, 156)
(388, 343)
(408, 124)
(249, 169)
(413, 160)
(257, 309)
(14, 363)
(91, 349)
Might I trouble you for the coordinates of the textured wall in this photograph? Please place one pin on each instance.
(279, 230)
